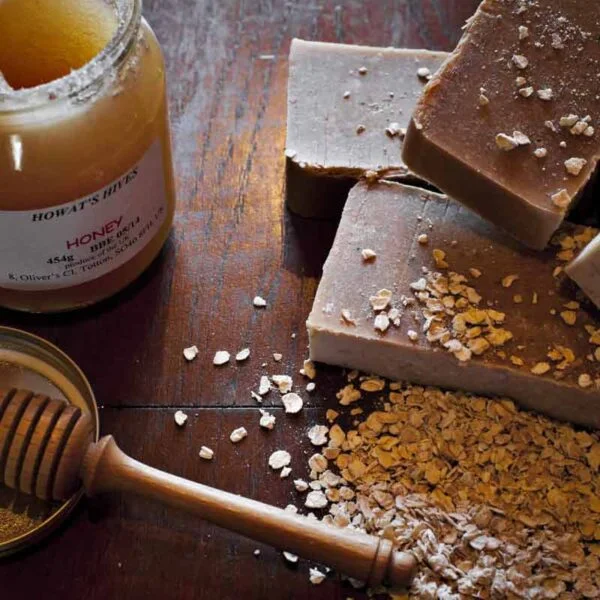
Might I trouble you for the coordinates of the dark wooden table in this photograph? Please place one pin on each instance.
(232, 240)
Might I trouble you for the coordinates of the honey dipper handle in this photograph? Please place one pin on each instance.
(366, 558)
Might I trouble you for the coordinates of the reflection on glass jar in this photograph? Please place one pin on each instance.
(86, 180)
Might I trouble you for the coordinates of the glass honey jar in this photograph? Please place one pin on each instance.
(86, 178)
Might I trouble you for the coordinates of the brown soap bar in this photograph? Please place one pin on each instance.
(470, 307)
(508, 126)
(585, 270)
(341, 101)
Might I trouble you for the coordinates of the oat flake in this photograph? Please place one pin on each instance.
(180, 418)
(279, 459)
(221, 358)
(293, 403)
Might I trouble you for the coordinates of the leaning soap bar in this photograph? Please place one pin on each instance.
(585, 270)
(348, 109)
(508, 126)
(419, 288)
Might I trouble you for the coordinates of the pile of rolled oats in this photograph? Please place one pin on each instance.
(494, 502)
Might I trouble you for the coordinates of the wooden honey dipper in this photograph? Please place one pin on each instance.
(47, 450)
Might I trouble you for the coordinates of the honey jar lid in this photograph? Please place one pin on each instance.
(29, 362)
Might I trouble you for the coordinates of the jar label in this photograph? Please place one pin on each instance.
(67, 245)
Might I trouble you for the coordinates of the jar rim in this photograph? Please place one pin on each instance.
(129, 15)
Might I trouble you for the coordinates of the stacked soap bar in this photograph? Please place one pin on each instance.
(419, 288)
(348, 109)
(509, 125)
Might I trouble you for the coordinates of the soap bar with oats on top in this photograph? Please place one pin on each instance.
(348, 109)
(444, 298)
(509, 125)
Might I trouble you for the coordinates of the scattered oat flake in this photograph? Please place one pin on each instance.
(243, 355)
(585, 380)
(520, 81)
(574, 166)
(363, 70)
(523, 32)
(439, 256)
(300, 485)
(545, 94)
(540, 152)
(372, 384)
(316, 577)
(190, 353)
(540, 368)
(310, 387)
(347, 317)
(368, 255)
(506, 142)
(206, 453)
(568, 120)
(520, 61)
(316, 499)
(381, 300)
(221, 358)
(285, 472)
(423, 72)
(180, 418)
(259, 302)
(283, 383)
(237, 435)
(267, 420)
(569, 317)
(526, 92)
(310, 370)
(265, 386)
(331, 415)
(561, 199)
(317, 463)
(579, 128)
(317, 435)
(348, 395)
(293, 403)
(509, 280)
(277, 357)
(279, 459)
(423, 239)
(347, 95)
(521, 138)
(475, 273)
(413, 336)
(382, 323)
(291, 558)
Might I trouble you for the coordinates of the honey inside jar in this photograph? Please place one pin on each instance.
(44, 40)
(86, 185)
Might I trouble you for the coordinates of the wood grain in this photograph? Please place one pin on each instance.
(227, 67)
